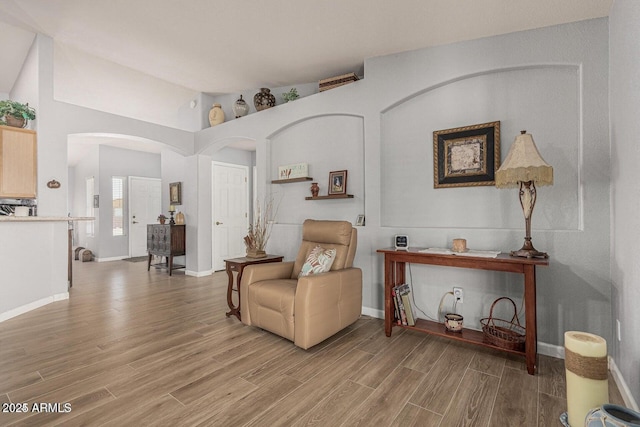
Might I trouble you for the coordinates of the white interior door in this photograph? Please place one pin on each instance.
(145, 204)
(230, 212)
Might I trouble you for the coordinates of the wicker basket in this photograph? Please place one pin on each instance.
(505, 334)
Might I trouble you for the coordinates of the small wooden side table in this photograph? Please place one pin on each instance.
(238, 265)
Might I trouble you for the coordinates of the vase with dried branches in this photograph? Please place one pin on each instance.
(260, 231)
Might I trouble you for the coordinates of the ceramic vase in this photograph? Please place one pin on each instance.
(240, 108)
(315, 189)
(216, 115)
(264, 99)
(179, 218)
(609, 415)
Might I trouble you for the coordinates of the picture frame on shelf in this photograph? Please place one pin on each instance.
(360, 220)
(175, 193)
(466, 156)
(337, 183)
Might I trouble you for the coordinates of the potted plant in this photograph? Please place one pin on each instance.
(292, 95)
(162, 218)
(259, 232)
(15, 114)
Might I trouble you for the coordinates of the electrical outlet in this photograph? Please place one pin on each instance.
(458, 294)
(619, 333)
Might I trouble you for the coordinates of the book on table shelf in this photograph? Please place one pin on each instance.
(403, 304)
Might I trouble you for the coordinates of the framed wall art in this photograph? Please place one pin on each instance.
(337, 183)
(466, 156)
(175, 193)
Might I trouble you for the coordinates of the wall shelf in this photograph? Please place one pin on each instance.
(333, 196)
(290, 180)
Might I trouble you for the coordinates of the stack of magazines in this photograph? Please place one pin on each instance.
(402, 304)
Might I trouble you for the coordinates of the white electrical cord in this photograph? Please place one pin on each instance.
(455, 304)
(414, 300)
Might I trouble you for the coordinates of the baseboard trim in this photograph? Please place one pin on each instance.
(114, 258)
(378, 314)
(629, 401)
(32, 306)
(198, 273)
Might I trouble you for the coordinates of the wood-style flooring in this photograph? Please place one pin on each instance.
(138, 348)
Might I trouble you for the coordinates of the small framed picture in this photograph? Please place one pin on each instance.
(337, 183)
(360, 220)
(175, 193)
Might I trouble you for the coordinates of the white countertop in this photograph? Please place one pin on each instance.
(11, 218)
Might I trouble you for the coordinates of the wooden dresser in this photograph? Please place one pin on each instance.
(166, 241)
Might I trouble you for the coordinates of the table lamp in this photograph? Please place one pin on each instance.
(524, 167)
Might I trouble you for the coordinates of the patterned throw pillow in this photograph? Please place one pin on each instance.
(318, 261)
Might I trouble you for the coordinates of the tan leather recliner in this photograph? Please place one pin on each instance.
(309, 309)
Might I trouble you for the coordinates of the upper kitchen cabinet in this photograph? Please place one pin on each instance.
(18, 163)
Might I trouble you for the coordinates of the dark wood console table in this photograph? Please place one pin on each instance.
(394, 274)
(168, 241)
(238, 265)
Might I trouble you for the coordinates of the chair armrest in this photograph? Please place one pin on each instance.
(326, 303)
(256, 273)
(273, 270)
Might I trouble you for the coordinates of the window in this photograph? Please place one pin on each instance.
(90, 210)
(117, 197)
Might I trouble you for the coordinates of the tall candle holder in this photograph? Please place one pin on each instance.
(172, 210)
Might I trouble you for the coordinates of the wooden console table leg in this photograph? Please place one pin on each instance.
(531, 339)
(388, 303)
(234, 310)
(149, 262)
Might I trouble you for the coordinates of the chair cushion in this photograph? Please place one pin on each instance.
(318, 261)
(271, 305)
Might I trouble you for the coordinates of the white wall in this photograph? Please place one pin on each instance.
(549, 81)
(624, 98)
(88, 166)
(85, 80)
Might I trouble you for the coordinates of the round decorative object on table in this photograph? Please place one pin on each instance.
(453, 322)
(459, 245)
(264, 99)
(240, 108)
(216, 115)
(609, 415)
(315, 189)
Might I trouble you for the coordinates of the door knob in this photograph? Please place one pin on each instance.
(218, 223)
(135, 222)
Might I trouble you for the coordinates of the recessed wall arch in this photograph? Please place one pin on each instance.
(327, 142)
(238, 142)
(544, 99)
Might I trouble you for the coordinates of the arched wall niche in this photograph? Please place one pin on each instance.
(544, 99)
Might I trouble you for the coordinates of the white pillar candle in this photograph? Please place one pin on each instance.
(586, 369)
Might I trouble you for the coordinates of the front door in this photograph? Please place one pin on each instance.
(230, 212)
(145, 204)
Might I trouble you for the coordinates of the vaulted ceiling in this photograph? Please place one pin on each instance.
(216, 46)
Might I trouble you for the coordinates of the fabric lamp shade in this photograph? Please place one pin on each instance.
(523, 164)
